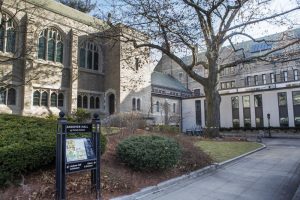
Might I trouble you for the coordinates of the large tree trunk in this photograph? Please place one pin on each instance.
(213, 101)
(213, 98)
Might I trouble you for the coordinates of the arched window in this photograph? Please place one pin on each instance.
(7, 33)
(11, 97)
(2, 96)
(85, 102)
(44, 99)
(92, 102)
(50, 45)
(174, 107)
(36, 98)
(79, 101)
(60, 100)
(90, 56)
(133, 104)
(138, 104)
(54, 99)
(157, 106)
(97, 102)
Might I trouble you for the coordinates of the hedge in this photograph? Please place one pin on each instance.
(149, 153)
(27, 144)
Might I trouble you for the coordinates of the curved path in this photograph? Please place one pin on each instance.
(270, 174)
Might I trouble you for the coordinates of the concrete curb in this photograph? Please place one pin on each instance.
(166, 184)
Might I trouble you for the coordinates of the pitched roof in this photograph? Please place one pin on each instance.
(167, 81)
(67, 11)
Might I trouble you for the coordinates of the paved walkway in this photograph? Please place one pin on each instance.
(270, 174)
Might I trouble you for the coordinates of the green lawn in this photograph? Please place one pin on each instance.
(221, 151)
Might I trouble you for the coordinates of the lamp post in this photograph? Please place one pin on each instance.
(269, 116)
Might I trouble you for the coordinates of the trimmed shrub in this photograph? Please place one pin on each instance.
(81, 115)
(149, 153)
(27, 144)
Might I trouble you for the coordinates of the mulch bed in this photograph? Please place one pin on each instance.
(116, 178)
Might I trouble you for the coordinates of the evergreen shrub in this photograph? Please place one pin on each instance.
(149, 153)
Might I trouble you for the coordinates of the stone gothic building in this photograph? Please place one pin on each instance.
(54, 58)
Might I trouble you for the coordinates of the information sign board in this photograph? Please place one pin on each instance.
(78, 128)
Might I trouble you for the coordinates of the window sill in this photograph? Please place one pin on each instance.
(7, 54)
(46, 62)
(90, 71)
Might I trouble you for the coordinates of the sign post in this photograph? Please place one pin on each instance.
(79, 153)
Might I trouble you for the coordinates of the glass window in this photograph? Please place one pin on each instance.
(246, 110)
(264, 79)
(228, 84)
(198, 112)
(50, 40)
(197, 92)
(2, 38)
(235, 102)
(273, 78)
(248, 79)
(138, 104)
(296, 77)
(59, 52)
(285, 76)
(137, 63)
(90, 56)
(223, 86)
(92, 102)
(296, 98)
(296, 102)
(174, 107)
(133, 104)
(79, 101)
(157, 106)
(246, 101)
(60, 100)
(11, 97)
(7, 33)
(233, 84)
(2, 96)
(42, 48)
(36, 98)
(256, 80)
(97, 102)
(85, 102)
(259, 117)
(258, 100)
(11, 38)
(44, 99)
(53, 98)
(283, 110)
(282, 101)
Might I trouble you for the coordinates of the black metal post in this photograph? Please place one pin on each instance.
(96, 172)
(60, 158)
(269, 127)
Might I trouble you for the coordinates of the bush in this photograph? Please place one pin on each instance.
(81, 115)
(149, 153)
(26, 144)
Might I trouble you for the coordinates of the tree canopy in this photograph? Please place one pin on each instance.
(211, 27)
(85, 6)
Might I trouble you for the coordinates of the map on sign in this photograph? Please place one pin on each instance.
(79, 149)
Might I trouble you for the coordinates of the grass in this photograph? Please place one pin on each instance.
(221, 151)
